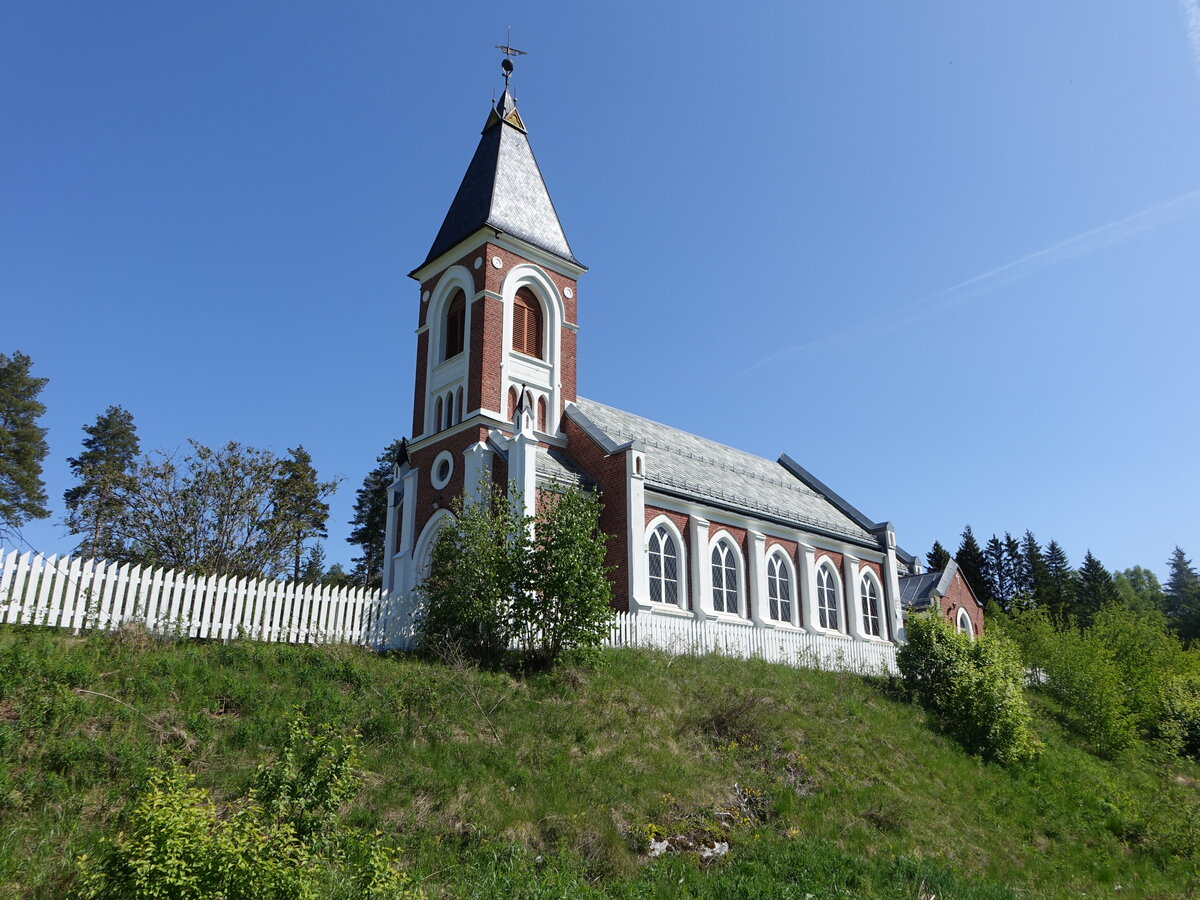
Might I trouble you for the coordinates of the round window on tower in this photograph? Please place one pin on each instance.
(443, 468)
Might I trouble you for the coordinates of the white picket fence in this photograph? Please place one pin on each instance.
(678, 635)
(86, 595)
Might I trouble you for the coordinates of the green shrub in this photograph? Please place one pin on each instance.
(972, 688)
(178, 847)
(500, 580)
(313, 777)
(284, 842)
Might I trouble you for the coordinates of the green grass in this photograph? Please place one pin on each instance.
(550, 786)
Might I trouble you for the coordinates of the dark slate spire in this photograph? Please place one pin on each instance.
(503, 189)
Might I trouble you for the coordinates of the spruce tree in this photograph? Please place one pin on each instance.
(1035, 573)
(938, 558)
(22, 444)
(99, 503)
(1183, 596)
(1000, 569)
(370, 517)
(971, 562)
(1093, 591)
(1058, 594)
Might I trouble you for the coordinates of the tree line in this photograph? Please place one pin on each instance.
(1018, 575)
(235, 509)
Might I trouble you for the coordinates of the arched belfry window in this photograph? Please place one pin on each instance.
(869, 594)
(527, 323)
(456, 325)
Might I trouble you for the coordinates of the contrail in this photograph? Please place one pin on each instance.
(1191, 16)
(1081, 244)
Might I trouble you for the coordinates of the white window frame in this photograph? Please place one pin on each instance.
(780, 557)
(839, 608)
(739, 569)
(963, 623)
(868, 579)
(662, 522)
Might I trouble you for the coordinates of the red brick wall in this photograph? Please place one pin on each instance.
(609, 474)
(959, 596)
(423, 459)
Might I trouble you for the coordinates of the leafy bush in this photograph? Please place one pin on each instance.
(314, 775)
(499, 579)
(284, 842)
(569, 607)
(1123, 679)
(972, 688)
(178, 847)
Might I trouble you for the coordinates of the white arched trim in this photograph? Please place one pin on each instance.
(682, 567)
(868, 577)
(724, 538)
(442, 374)
(827, 570)
(779, 554)
(423, 553)
(963, 623)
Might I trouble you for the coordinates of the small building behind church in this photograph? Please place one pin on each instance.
(699, 531)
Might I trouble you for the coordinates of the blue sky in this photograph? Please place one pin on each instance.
(945, 255)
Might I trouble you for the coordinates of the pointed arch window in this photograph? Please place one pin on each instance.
(869, 595)
(827, 600)
(456, 325)
(527, 323)
(724, 578)
(664, 566)
(779, 588)
(964, 625)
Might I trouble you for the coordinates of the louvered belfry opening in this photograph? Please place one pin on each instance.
(456, 325)
(527, 323)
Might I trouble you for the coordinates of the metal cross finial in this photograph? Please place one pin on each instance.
(509, 52)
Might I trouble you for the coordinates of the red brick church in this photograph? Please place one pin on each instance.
(698, 530)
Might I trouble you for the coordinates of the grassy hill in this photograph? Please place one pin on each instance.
(557, 785)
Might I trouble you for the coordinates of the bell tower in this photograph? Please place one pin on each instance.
(496, 338)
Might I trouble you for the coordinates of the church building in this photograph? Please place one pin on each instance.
(698, 530)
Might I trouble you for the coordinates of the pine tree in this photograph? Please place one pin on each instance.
(22, 444)
(97, 505)
(1093, 591)
(1183, 596)
(370, 517)
(300, 509)
(938, 558)
(314, 565)
(1058, 594)
(971, 562)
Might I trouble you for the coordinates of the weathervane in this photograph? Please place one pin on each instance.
(509, 52)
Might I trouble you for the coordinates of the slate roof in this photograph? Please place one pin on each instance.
(503, 189)
(553, 465)
(684, 463)
(916, 590)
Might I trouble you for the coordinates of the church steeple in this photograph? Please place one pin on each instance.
(503, 190)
